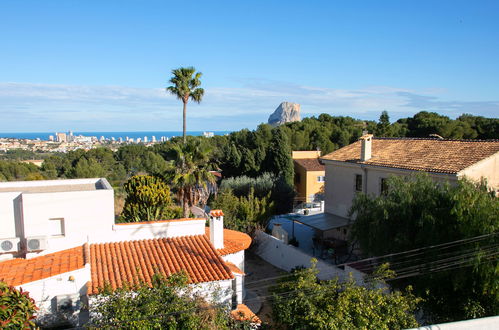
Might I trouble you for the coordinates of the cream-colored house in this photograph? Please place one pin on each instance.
(309, 175)
(364, 166)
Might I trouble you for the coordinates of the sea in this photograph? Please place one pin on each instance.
(109, 135)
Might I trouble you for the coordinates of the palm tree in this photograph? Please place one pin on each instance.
(189, 173)
(185, 85)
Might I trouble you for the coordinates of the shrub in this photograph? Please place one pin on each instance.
(244, 213)
(17, 309)
(148, 199)
(242, 185)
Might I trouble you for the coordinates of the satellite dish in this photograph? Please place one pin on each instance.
(199, 212)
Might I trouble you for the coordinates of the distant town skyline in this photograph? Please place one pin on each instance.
(103, 66)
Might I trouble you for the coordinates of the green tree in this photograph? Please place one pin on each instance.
(14, 171)
(383, 125)
(244, 213)
(189, 173)
(300, 301)
(415, 213)
(167, 303)
(148, 199)
(279, 159)
(17, 309)
(186, 86)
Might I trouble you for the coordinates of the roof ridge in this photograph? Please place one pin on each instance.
(434, 139)
(147, 239)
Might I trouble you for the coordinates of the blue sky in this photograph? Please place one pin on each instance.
(103, 65)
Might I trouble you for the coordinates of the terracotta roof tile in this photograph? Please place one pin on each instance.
(310, 164)
(19, 271)
(429, 155)
(243, 313)
(135, 261)
(216, 213)
(234, 269)
(234, 241)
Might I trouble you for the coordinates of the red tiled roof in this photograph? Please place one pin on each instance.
(234, 269)
(216, 213)
(310, 164)
(19, 271)
(234, 241)
(429, 155)
(135, 261)
(243, 313)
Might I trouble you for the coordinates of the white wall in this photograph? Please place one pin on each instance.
(478, 324)
(487, 168)
(85, 213)
(8, 200)
(287, 257)
(236, 258)
(217, 292)
(169, 228)
(43, 291)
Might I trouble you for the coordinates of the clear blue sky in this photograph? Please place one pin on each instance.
(103, 65)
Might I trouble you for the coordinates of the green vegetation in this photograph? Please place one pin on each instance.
(17, 309)
(148, 199)
(189, 174)
(168, 303)
(243, 156)
(301, 301)
(185, 85)
(262, 185)
(17, 171)
(244, 213)
(417, 212)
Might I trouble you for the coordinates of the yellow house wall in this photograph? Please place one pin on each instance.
(312, 186)
(308, 182)
(306, 154)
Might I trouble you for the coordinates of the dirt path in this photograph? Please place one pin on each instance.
(258, 269)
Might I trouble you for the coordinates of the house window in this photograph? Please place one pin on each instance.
(358, 182)
(383, 186)
(321, 178)
(56, 227)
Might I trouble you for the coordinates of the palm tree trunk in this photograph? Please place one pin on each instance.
(185, 208)
(185, 117)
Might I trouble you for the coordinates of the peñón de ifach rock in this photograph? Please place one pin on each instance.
(286, 112)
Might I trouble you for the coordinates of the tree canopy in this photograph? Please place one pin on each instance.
(457, 281)
(301, 301)
(185, 85)
(167, 303)
(190, 174)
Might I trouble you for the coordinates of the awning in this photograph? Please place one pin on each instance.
(323, 221)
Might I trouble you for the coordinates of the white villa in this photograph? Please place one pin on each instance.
(59, 241)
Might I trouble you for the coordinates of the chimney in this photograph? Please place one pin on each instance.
(366, 146)
(217, 228)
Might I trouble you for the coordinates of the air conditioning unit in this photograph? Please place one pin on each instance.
(9, 245)
(36, 243)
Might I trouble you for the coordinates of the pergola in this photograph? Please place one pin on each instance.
(322, 223)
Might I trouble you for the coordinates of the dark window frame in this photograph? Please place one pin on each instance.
(358, 182)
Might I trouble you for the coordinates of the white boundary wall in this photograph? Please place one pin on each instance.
(287, 257)
(478, 324)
